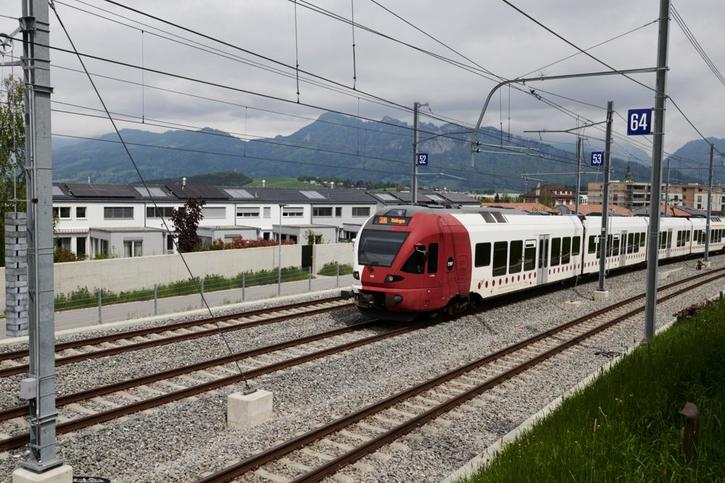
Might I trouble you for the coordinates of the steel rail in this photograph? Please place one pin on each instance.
(75, 424)
(296, 443)
(60, 361)
(19, 411)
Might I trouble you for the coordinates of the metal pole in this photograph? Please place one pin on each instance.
(605, 201)
(156, 299)
(709, 206)
(414, 168)
(659, 134)
(201, 289)
(309, 279)
(578, 172)
(244, 286)
(667, 189)
(39, 173)
(100, 306)
(279, 253)
(337, 276)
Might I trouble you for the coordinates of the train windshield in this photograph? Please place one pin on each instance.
(377, 247)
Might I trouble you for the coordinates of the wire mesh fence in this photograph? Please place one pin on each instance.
(198, 292)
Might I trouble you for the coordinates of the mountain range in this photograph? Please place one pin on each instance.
(344, 147)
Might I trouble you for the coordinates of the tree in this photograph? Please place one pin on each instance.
(546, 199)
(186, 220)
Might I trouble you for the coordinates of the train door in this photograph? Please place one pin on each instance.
(668, 243)
(623, 249)
(542, 266)
(446, 260)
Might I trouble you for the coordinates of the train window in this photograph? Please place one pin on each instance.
(592, 243)
(483, 254)
(642, 237)
(543, 248)
(565, 250)
(669, 239)
(415, 262)
(610, 245)
(530, 255)
(687, 236)
(516, 259)
(500, 250)
(433, 258)
(636, 242)
(679, 238)
(575, 246)
(555, 251)
(377, 247)
(615, 246)
(630, 243)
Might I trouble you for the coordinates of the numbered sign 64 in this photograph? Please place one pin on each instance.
(639, 122)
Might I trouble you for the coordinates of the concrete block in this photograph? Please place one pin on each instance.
(248, 410)
(59, 474)
(601, 294)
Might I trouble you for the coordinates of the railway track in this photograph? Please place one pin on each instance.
(322, 452)
(16, 362)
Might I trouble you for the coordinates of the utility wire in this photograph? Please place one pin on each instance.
(696, 44)
(141, 178)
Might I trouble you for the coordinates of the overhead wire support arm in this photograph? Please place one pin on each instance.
(524, 80)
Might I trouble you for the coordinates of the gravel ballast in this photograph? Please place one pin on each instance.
(184, 440)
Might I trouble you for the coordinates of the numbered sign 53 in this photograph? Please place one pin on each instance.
(597, 158)
(421, 159)
(639, 122)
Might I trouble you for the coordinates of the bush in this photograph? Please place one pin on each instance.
(331, 269)
(61, 255)
(242, 243)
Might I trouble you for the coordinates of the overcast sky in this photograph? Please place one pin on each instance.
(487, 31)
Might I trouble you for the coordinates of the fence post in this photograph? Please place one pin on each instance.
(244, 285)
(337, 275)
(201, 290)
(279, 283)
(156, 299)
(309, 279)
(100, 306)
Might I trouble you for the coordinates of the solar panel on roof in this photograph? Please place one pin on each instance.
(386, 197)
(239, 193)
(313, 195)
(101, 191)
(57, 191)
(155, 191)
(435, 198)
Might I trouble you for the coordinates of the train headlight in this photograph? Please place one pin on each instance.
(356, 275)
(393, 278)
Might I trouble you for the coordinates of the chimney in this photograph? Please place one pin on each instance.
(89, 180)
(264, 183)
(332, 185)
(183, 182)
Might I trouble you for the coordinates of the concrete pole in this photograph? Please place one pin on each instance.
(279, 253)
(39, 174)
(605, 202)
(659, 134)
(578, 172)
(709, 207)
(414, 168)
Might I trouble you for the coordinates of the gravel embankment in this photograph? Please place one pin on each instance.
(187, 439)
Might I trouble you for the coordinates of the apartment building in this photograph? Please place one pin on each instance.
(102, 220)
(562, 195)
(635, 195)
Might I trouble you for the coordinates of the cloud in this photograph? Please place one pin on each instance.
(489, 32)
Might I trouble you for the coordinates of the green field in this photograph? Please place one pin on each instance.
(626, 426)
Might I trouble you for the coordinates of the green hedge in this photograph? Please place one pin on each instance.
(331, 269)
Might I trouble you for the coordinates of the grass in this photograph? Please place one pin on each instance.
(83, 297)
(331, 269)
(626, 426)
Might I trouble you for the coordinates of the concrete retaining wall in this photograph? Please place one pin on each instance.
(331, 252)
(119, 274)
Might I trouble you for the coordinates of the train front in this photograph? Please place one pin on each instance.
(396, 262)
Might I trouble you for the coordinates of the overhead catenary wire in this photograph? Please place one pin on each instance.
(140, 176)
(696, 44)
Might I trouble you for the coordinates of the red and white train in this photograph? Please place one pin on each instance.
(416, 259)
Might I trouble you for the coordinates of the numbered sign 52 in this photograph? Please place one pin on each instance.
(639, 122)
(597, 158)
(421, 159)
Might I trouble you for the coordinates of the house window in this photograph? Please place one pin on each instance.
(248, 211)
(214, 212)
(267, 212)
(159, 211)
(118, 212)
(61, 212)
(80, 212)
(322, 211)
(132, 248)
(338, 211)
(293, 212)
(360, 211)
(63, 242)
